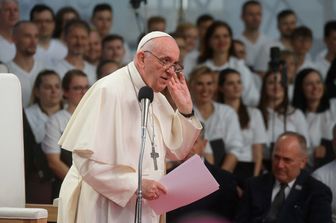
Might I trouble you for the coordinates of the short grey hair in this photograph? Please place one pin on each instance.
(300, 138)
(7, 1)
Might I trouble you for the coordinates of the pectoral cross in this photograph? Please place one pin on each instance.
(154, 156)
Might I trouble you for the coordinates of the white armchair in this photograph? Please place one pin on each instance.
(12, 186)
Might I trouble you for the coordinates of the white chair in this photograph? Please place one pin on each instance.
(12, 186)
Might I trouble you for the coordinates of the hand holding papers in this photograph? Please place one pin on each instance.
(187, 183)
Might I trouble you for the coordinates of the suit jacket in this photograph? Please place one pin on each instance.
(222, 203)
(309, 201)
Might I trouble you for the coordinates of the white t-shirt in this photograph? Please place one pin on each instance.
(27, 79)
(8, 50)
(295, 121)
(55, 52)
(326, 174)
(250, 94)
(307, 63)
(222, 124)
(54, 128)
(254, 134)
(323, 66)
(64, 66)
(253, 50)
(36, 119)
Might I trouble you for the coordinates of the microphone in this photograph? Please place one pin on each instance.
(145, 97)
(275, 61)
(136, 3)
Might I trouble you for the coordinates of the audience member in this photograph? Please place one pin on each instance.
(239, 49)
(101, 19)
(46, 101)
(222, 203)
(288, 194)
(326, 174)
(24, 66)
(94, 50)
(289, 62)
(9, 16)
(252, 37)
(76, 37)
(106, 67)
(220, 121)
(181, 44)
(48, 50)
(113, 49)
(278, 116)
(310, 98)
(63, 16)
(217, 54)
(156, 23)
(251, 123)
(301, 42)
(74, 84)
(324, 60)
(286, 22)
(190, 34)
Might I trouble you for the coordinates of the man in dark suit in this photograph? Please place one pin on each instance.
(222, 203)
(289, 194)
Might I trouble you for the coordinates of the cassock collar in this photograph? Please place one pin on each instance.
(136, 77)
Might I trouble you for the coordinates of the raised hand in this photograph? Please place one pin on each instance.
(180, 94)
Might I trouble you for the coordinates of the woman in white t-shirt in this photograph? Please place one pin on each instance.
(217, 53)
(74, 84)
(220, 121)
(311, 99)
(46, 100)
(251, 123)
(278, 116)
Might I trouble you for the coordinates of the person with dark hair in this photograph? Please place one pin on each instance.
(74, 84)
(9, 16)
(104, 137)
(289, 194)
(289, 60)
(106, 67)
(101, 19)
(113, 48)
(252, 37)
(239, 49)
(328, 55)
(326, 174)
(48, 50)
(310, 97)
(62, 17)
(217, 54)
(46, 101)
(277, 114)
(76, 37)
(94, 50)
(156, 23)
(286, 23)
(251, 124)
(24, 65)
(302, 41)
(220, 121)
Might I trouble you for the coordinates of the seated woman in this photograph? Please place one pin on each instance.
(278, 116)
(311, 99)
(220, 121)
(74, 84)
(251, 123)
(46, 100)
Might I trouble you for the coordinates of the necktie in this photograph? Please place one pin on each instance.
(277, 203)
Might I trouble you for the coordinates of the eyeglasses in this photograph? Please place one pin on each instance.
(178, 68)
(80, 88)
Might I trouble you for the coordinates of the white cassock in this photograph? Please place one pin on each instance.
(104, 134)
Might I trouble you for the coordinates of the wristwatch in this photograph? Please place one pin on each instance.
(188, 115)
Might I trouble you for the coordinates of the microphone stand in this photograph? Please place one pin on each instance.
(284, 82)
(138, 207)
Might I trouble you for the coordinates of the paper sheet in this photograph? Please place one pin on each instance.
(187, 183)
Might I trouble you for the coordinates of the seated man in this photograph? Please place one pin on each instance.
(326, 174)
(221, 203)
(289, 194)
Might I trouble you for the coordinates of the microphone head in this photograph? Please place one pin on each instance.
(146, 93)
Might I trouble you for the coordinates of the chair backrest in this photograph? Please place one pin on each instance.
(12, 186)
